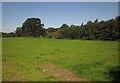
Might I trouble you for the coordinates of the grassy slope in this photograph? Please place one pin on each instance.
(86, 59)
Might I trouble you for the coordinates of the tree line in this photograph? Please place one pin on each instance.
(103, 30)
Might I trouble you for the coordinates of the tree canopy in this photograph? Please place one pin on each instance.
(103, 30)
(33, 27)
(64, 26)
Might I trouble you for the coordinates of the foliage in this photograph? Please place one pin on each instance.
(114, 73)
(19, 32)
(64, 26)
(33, 27)
(51, 29)
(11, 34)
(103, 30)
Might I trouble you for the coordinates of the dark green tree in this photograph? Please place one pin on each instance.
(96, 21)
(33, 27)
(19, 32)
(82, 25)
(89, 22)
(11, 34)
(74, 26)
(50, 29)
(64, 26)
(103, 30)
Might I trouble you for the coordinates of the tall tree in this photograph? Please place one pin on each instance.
(33, 27)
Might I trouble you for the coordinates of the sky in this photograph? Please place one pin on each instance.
(54, 14)
(60, 0)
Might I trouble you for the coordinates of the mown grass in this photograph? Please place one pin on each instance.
(86, 59)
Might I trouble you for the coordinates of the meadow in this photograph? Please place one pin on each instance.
(44, 59)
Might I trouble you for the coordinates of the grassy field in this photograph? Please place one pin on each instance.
(40, 59)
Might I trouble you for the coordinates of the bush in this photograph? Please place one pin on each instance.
(113, 73)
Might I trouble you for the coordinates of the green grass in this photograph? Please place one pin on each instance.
(86, 59)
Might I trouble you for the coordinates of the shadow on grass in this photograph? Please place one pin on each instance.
(114, 74)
